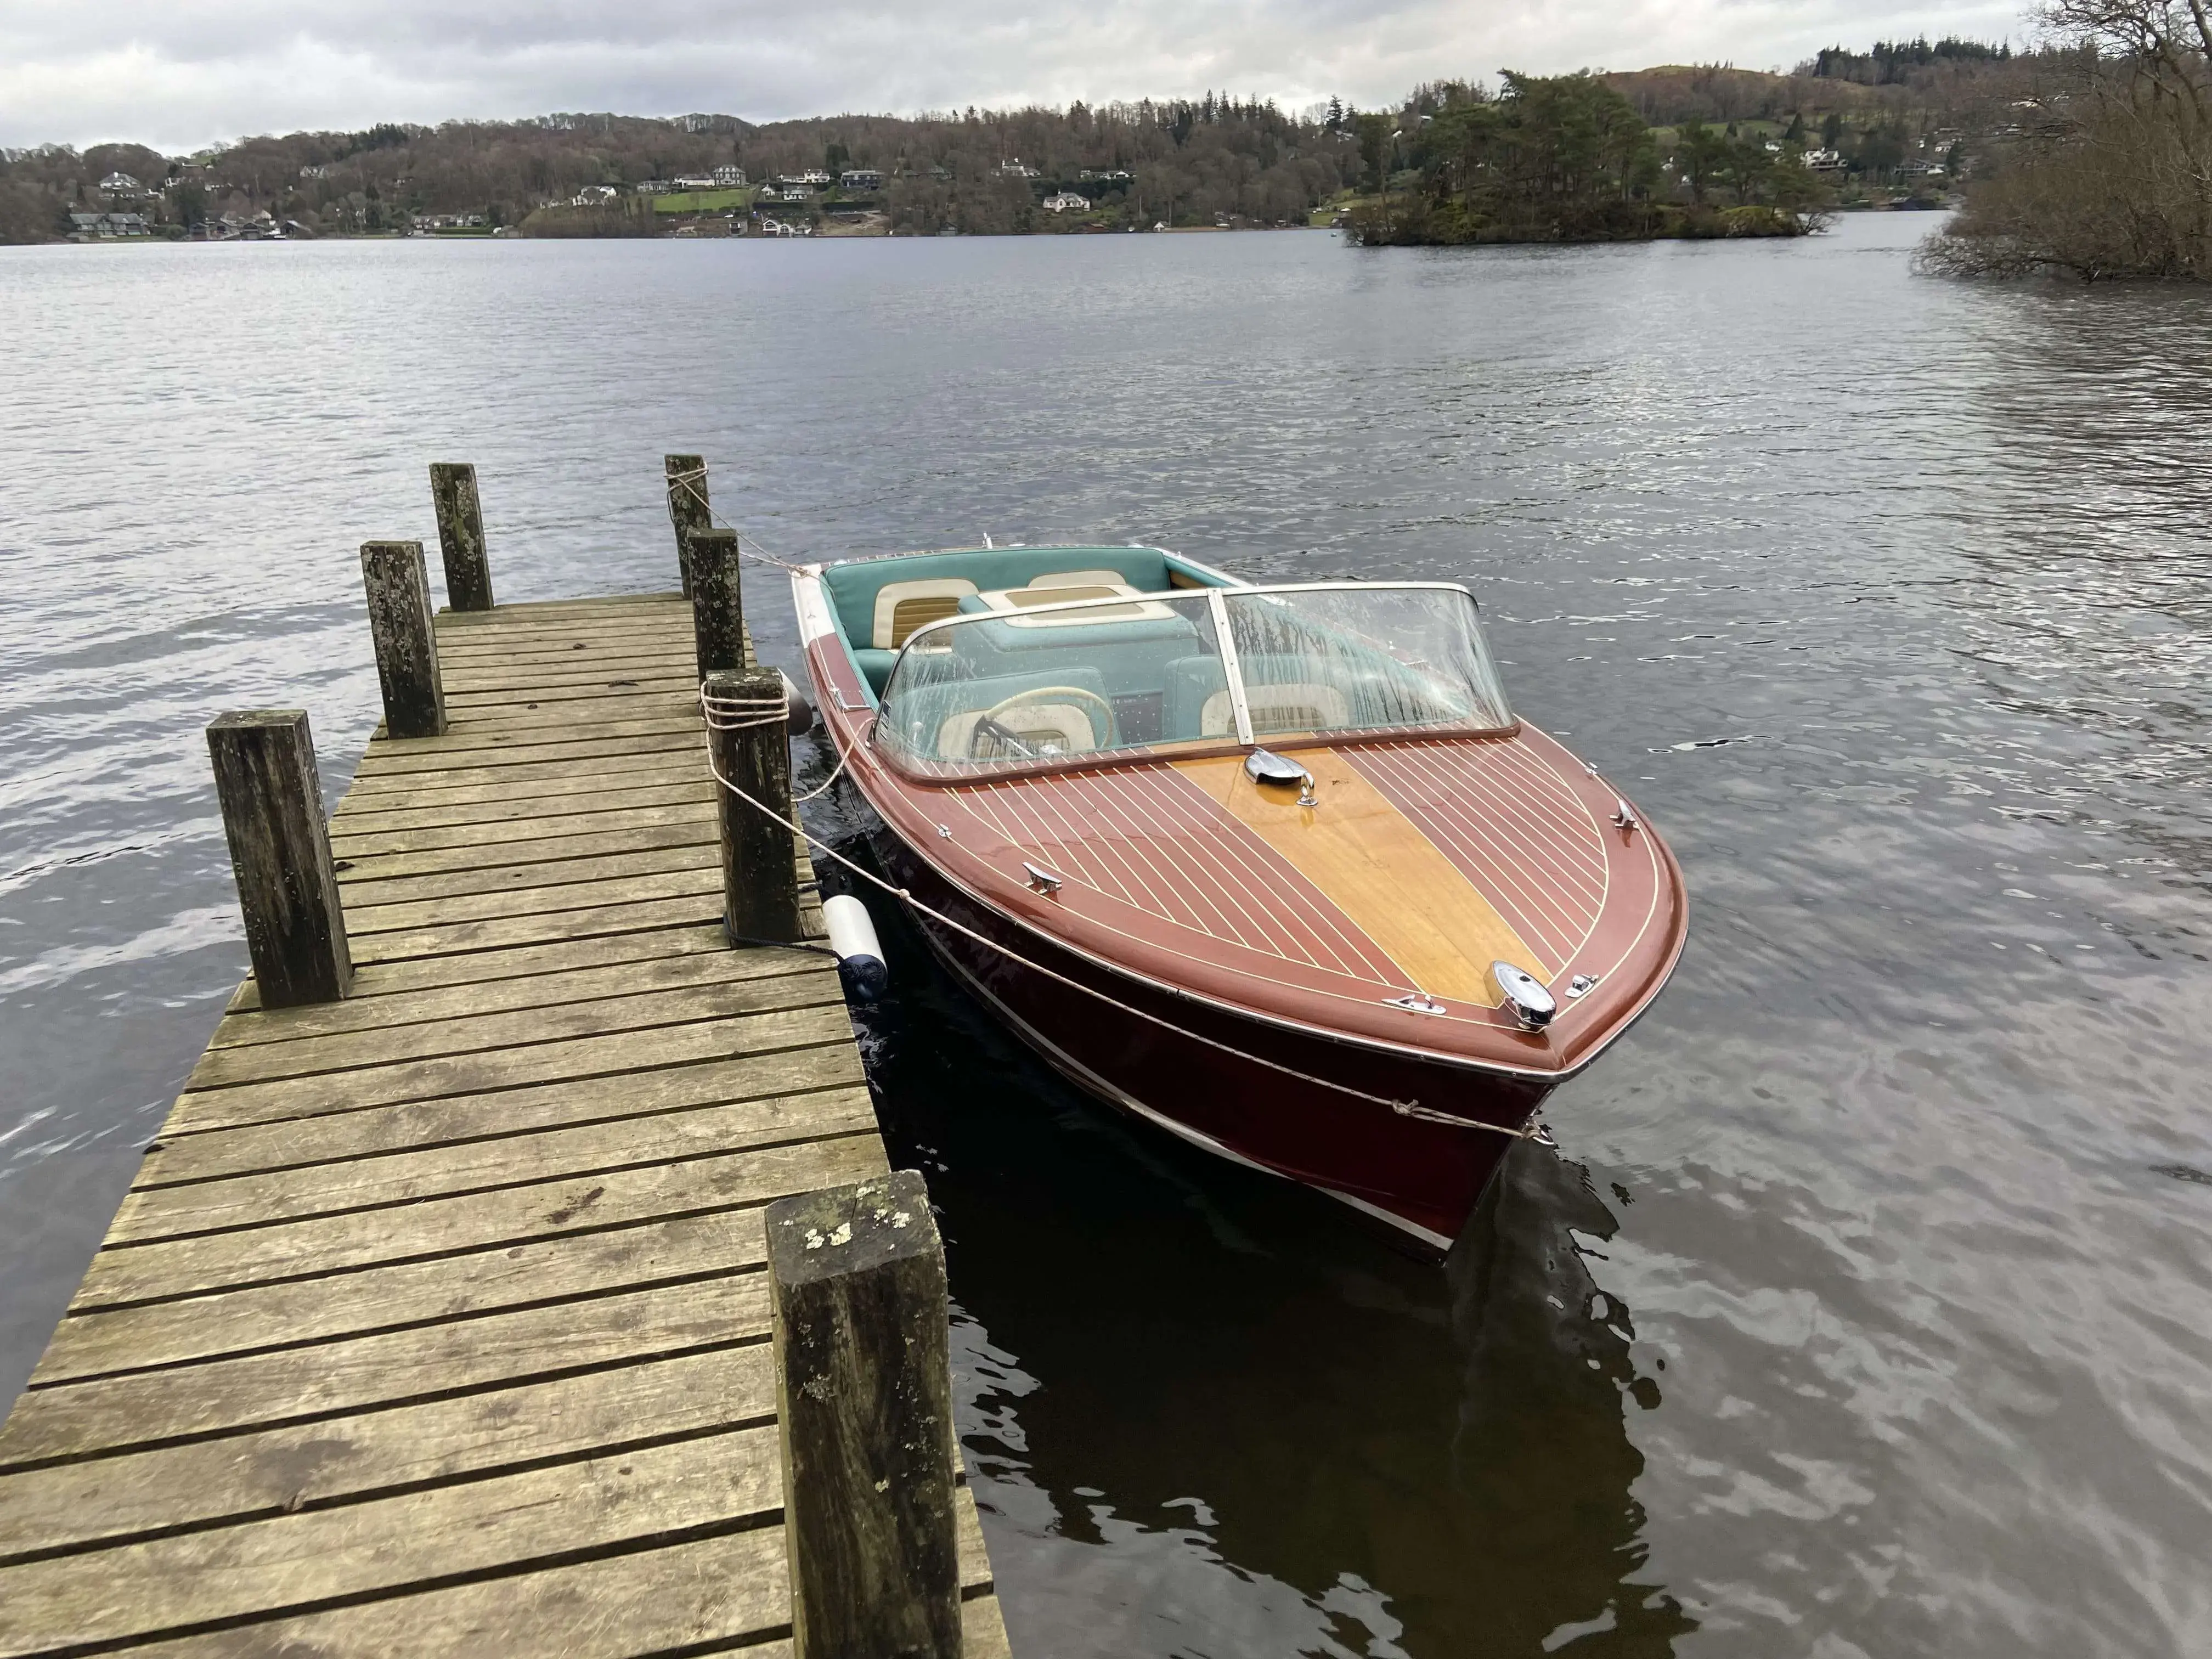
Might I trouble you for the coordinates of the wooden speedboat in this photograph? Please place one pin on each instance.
(1275, 868)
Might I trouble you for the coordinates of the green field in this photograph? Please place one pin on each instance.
(702, 201)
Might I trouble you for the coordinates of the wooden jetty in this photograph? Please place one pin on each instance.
(440, 1318)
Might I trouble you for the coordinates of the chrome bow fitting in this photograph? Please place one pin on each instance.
(1264, 766)
(1525, 996)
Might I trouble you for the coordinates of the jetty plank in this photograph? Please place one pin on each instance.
(502, 861)
(169, 1584)
(665, 971)
(372, 893)
(590, 922)
(273, 1353)
(436, 1321)
(812, 1015)
(521, 962)
(280, 1471)
(713, 1595)
(807, 980)
(374, 1131)
(367, 814)
(552, 1204)
(523, 774)
(407, 1177)
(517, 834)
(495, 760)
(610, 715)
(492, 684)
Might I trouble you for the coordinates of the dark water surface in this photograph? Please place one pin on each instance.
(1866, 1311)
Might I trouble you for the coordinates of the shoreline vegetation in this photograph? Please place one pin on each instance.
(1676, 150)
(2102, 166)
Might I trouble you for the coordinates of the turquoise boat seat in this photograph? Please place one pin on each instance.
(854, 588)
(876, 666)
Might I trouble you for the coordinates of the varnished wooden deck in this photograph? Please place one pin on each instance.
(435, 1322)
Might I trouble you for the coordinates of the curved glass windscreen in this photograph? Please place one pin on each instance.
(1023, 682)
(1357, 659)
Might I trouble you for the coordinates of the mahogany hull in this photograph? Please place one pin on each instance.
(1422, 1177)
(1306, 981)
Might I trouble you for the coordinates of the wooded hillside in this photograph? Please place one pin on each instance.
(1173, 161)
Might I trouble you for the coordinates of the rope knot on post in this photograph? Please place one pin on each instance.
(749, 752)
(687, 510)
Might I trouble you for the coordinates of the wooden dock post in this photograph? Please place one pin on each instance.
(280, 847)
(397, 581)
(751, 745)
(718, 608)
(857, 1294)
(688, 508)
(461, 535)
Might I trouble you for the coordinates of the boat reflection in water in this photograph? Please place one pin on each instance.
(1197, 1422)
(1358, 954)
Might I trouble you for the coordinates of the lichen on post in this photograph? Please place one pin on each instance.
(688, 507)
(717, 612)
(271, 799)
(461, 535)
(857, 1293)
(397, 580)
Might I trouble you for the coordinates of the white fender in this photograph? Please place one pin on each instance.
(860, 957)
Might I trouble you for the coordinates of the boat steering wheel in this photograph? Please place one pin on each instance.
(1041, 693)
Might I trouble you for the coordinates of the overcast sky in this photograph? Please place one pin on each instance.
(180, 74)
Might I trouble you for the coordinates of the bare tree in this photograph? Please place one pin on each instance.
(2105, 168)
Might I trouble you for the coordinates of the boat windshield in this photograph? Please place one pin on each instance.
(1023, 682)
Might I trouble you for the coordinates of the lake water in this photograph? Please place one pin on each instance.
(1865, 1310)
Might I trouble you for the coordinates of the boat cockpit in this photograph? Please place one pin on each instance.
(1020, 656)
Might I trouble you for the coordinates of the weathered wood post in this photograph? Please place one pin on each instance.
(718, 610)
(688, 508)
(461, 535)
(865, 1386)
(280, 848)
(748, 737)
(397, 581)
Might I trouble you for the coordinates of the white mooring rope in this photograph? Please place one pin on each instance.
(743, 714)
(690, 483)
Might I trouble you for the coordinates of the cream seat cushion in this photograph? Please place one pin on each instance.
(1065, 725)
(1292, 706)
(1112, 579)
(902, 607)
(1066, 585)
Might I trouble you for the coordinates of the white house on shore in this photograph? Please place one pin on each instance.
(82, 225)
(730, 178)
(1067, 201)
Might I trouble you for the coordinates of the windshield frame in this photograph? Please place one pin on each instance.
(1216, 598)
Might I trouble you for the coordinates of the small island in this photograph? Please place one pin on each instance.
(1566, 158)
